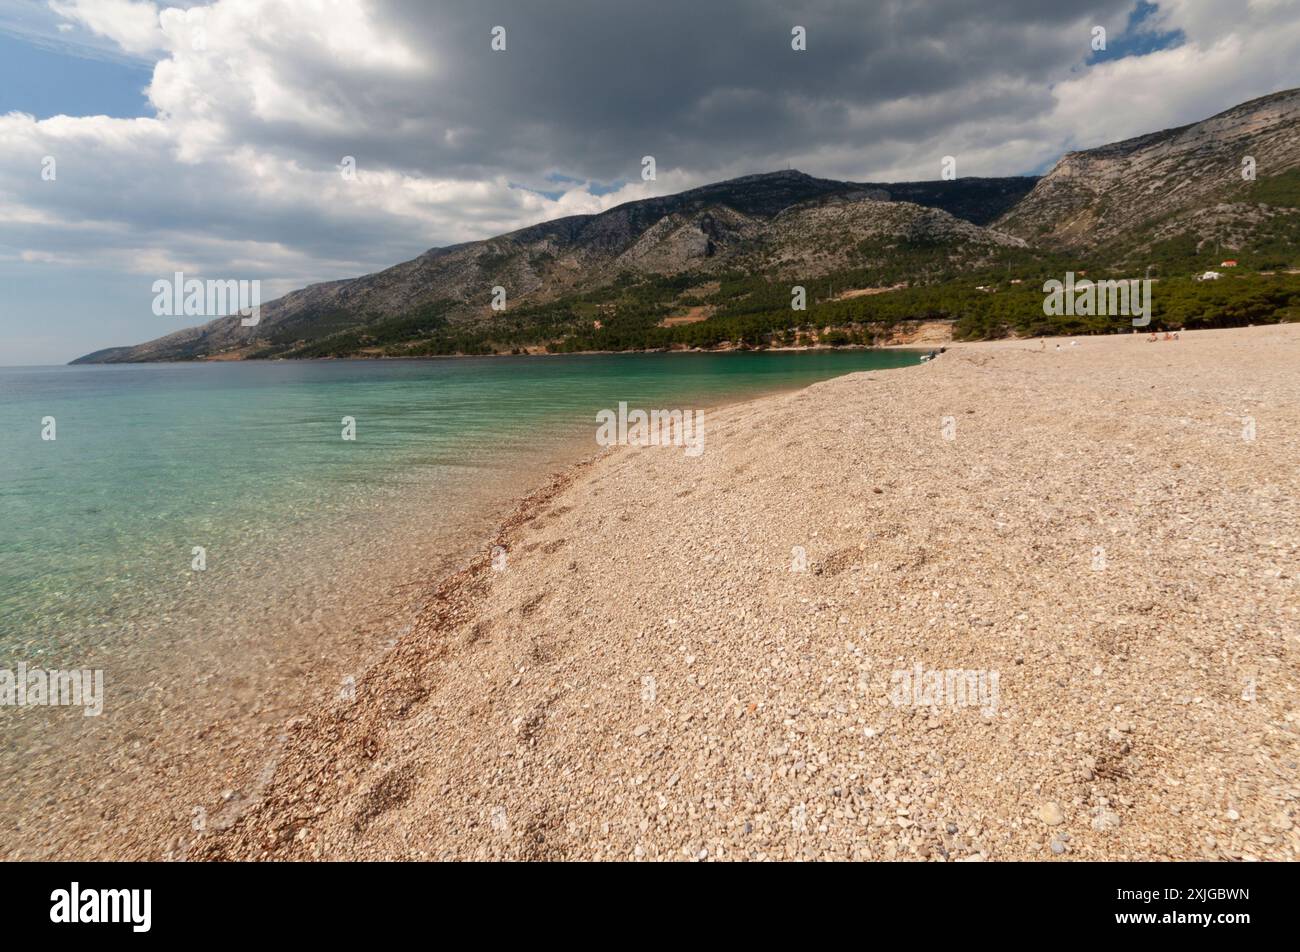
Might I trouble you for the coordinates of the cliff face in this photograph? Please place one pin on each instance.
(1164, 182)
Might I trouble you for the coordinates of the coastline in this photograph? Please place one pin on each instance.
(188, 742)
(539, 352)
(196, 720)
(905, 335)
(515, 719)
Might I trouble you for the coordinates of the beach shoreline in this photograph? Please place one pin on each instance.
(646, 677)
(202, 680)
(638, 684)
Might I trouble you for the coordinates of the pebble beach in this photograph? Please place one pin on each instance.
(1031, 600)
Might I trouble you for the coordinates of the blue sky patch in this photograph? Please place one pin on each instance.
(1139, 37)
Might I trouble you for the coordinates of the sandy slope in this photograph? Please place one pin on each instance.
(1147, 701)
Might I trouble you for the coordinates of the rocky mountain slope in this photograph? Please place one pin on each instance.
(1165, 184)
(1174, 200)
(779, 224)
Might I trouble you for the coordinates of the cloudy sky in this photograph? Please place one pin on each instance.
(209, 139)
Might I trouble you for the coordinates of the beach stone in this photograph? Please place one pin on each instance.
(1105, 821)
(1050, 813)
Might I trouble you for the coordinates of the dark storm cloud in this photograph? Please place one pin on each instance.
(588, 88)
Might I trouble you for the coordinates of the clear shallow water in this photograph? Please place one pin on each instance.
(152, 460)
(319, 550)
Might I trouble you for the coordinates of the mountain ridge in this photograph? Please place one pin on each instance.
(1164, 199)
(1092, 196)
(663, 234)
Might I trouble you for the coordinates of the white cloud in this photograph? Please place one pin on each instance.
(131, 24)
(1227, 60)
(258, 101)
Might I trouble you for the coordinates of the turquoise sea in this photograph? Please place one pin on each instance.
(317, 550)
(150, 461)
